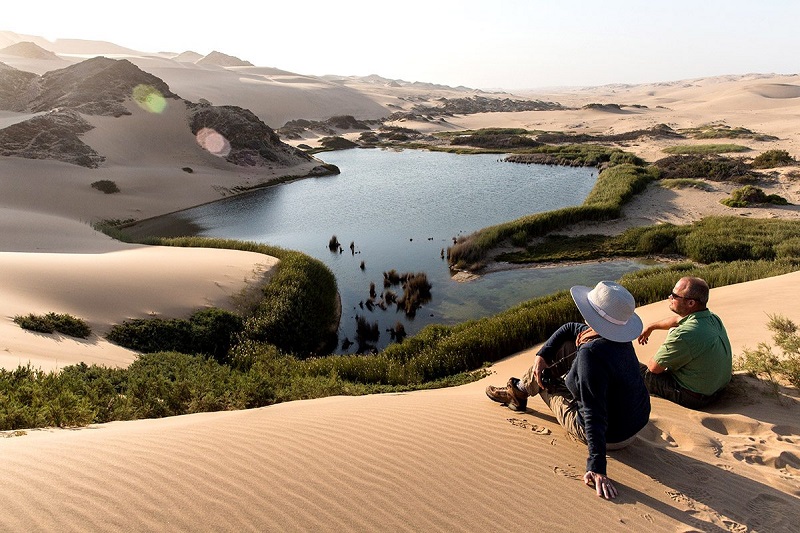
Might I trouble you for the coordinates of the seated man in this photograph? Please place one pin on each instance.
(695, 362)
(602, 401)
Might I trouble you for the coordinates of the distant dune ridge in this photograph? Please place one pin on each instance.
(438, 460)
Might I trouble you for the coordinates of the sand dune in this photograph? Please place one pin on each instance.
(442, 460)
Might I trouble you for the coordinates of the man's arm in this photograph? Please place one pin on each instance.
(654, 367)
(667, 323)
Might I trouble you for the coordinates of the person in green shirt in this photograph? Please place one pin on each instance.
(694, 363)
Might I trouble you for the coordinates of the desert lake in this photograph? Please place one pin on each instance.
(401, 210)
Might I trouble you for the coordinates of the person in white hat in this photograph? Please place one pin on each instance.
(602, 399)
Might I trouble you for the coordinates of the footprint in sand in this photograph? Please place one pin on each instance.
(570, 472)
(524, 424)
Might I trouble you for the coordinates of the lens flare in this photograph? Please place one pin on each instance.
(212, 141)
(149, 98)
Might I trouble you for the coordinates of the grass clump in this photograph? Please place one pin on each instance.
(705, 149)
(723, 131)
(54, 322)
(749, 195)
(763, 362)
(685, 183)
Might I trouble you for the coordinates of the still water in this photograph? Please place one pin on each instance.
(401, 210)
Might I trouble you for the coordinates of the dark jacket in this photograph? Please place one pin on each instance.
(605, 380)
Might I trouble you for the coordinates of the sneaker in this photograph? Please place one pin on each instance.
(517, 400)
(498, 394)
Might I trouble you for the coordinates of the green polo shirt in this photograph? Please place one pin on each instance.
(698, 353)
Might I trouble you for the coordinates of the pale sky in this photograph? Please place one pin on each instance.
(510, 44)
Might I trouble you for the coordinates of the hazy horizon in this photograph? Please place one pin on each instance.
(511, 44)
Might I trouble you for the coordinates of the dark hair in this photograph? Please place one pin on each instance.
(697, 289)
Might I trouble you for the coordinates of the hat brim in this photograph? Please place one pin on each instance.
(604, 328)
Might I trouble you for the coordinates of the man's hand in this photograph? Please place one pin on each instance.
(539, 364)
(603, 485)
(645, 335)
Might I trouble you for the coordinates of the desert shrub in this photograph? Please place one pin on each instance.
(55, 322)
(38, 323)
(214, 331)
(147, 335)
(106, 186)
(711, 167)
(172, 383)
(209, 332)
(764, 363)
(773, 158)
(748, 195)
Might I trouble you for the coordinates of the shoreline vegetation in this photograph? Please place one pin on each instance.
(276, 353)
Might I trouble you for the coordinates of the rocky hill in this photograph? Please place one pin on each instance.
(108, 87)
(15, 88)
(247, 140)
(98, 86)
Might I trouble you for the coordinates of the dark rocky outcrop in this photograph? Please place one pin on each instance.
(16, 88)
(98, 86)
(54, 135)
(482, 104)
(252, 143)
(294, 128)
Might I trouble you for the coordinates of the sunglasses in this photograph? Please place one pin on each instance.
(676, 297)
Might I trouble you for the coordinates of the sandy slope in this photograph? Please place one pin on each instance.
(443, 460)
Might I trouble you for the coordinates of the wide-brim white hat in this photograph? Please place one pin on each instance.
(609, 310)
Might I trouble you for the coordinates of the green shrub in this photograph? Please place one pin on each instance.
(748, 195)
(55, 322)
(764, 363)
(773, 158)
(208, 332)
(106, 186)
(38, 323)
